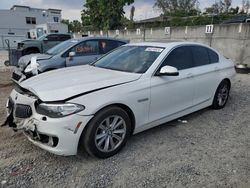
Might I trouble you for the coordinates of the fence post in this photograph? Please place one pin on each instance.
(2, 41)
(144, 32)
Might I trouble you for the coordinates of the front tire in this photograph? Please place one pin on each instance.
(107, 133)
(221, 95)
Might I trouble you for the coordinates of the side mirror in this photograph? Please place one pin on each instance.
(45, 39)
(72, 54)
(168, 71)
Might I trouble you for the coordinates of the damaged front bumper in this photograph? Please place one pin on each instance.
(56, 135)
(18, 75)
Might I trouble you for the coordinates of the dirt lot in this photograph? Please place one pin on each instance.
(3, 58)
(211, 150)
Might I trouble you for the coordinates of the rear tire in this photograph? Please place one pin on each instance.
(221, 95)
(107, 133)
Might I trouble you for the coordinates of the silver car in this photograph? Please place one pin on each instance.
(68, 53)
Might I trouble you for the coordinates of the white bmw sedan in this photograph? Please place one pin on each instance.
(95, 108)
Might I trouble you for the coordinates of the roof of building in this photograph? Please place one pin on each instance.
(22, 6)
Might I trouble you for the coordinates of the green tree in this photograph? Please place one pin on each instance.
(245, 6)
(73, 26)
(67, 22)
(180, 8)
(228, 3)
(234, 10)
(220, 7)
(104, 14)
(77, 26)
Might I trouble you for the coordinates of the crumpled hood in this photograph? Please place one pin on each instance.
(23, 61)
(65, 83)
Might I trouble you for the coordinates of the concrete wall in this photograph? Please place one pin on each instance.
(232, 40)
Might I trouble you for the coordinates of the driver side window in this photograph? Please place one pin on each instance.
(180, 58)
(86, 48)
(52, 38)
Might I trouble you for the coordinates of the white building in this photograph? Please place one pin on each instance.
(20, 19)
(16, 23)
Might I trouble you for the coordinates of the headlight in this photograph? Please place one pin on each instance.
(20, 45)
(58, 110)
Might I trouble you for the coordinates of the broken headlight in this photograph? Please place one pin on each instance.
(58, 110)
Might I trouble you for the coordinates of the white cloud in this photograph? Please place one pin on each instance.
(71, 14)
(32, 3)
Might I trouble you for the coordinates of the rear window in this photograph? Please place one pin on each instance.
(213, 56)
(52, 37)
(180, 58)
(108, 45)
(64, 37)
(200, 55)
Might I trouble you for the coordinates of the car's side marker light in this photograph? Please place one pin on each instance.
(77, 127)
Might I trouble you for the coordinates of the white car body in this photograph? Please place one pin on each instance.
(151, 100)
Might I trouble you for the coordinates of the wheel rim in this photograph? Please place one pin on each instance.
(222, 95)
(110, 133)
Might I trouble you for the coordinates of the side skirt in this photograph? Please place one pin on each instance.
(173, 116)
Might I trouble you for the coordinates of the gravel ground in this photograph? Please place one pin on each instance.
(211, 150)
(3, 58)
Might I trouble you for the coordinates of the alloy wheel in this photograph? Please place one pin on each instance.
(110, 133)
(222, 95)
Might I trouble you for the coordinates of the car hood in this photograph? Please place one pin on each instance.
(23, 61)
(66, 83)
(28, 40)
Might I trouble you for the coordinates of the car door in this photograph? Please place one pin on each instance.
(50, 41)
(206, 73)
(173, 94)
(85, 53)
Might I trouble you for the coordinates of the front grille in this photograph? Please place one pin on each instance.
(23, 111)
(16, 76)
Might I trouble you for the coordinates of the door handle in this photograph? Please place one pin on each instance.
(189, 75)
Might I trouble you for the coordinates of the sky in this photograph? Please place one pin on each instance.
(71, 8)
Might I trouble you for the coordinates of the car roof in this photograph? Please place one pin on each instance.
(165, 44)
(100, 38)
(58, 34)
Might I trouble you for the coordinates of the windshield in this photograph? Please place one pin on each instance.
(61, 47)
(41, 37)
(136, 59)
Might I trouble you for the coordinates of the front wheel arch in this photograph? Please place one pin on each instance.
(125, 108)
(86, 139)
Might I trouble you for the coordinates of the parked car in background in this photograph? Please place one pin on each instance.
(42, 44)
(69, 53)
(96, 107)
